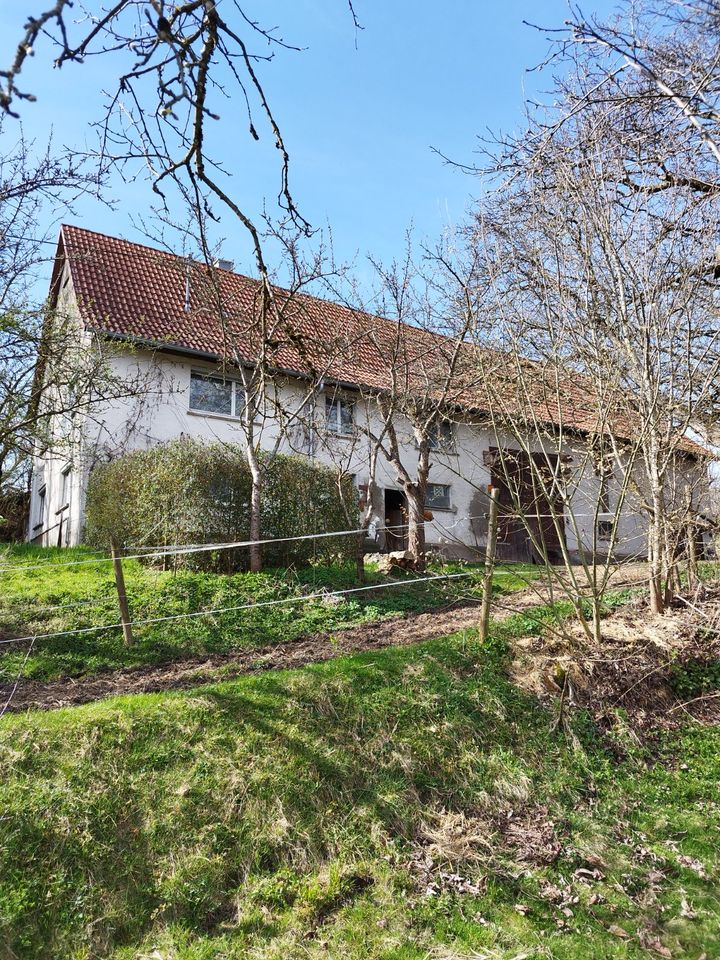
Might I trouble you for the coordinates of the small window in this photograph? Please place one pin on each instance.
(437, 496)
(339, 416)
(605, 529)
(40, 516)
(605, 524)
(65, 486)
(215, 395)
(441, 435)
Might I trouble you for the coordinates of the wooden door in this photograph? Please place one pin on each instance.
(521, 491)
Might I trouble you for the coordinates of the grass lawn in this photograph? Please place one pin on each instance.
(404, 805)
(87, 591)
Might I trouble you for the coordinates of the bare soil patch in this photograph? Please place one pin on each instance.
(399, 631)
(192, 672)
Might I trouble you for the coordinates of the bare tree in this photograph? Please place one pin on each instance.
(612, 286)
(660, 59)
(46, 377)
(425, 376)
(179, 70)
(278, 348)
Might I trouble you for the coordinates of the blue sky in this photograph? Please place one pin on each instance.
(360, 114)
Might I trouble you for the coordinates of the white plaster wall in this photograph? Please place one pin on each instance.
(60, 523)
(163, 414)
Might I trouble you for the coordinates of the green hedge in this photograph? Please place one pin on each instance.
(191, 492)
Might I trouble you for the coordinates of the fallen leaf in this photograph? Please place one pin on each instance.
(659, 949)
(692, 864)
(686, 910)
(617, 931)
(582, 874)
(595, 861)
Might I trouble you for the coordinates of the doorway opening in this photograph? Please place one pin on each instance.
(395, 520)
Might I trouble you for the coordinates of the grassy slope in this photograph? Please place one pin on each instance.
(153, 593)
(275, 816)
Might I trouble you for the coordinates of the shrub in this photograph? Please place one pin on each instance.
(191, 492)
(14, 505)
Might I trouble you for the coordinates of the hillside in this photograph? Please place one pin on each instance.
(402, 803)
(67, 593)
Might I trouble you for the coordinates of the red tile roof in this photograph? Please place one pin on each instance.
(133, 291)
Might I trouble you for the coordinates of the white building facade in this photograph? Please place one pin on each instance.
(186, 395)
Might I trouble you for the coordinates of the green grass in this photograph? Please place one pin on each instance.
(278, 815)
(154, 593)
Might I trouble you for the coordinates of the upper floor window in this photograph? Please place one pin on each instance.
(441, 435)
(339, 416)
(437, 495)
(216, 395)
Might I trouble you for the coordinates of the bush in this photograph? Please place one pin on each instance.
(14, 505)
(191, 492)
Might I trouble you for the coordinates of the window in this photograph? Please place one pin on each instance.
(215, 395)
(441, 435)
(40, 516)
(605, 523)
(65, 487)
(605, 529)
(437, 496)
(339, 416)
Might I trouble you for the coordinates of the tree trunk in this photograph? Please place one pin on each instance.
(256, 562)
(490, 550)
(692, 557)
(657, 598)
(416, 525)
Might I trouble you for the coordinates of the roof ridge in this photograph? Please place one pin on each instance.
(357, 311)
(108, 236)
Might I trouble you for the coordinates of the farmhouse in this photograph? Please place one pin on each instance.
(163, 323)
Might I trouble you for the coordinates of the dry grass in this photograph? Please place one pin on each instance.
(632, 666)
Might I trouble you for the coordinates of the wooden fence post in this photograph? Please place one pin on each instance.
(122, 596)
(692, 557)
(490, 549)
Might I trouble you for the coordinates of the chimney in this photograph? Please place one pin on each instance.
(228, 265)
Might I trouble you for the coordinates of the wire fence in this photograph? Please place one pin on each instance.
(317, 595)
(151, 552)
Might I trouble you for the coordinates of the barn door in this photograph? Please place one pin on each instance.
(521, 490)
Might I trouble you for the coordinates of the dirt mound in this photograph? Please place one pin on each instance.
(635, 667)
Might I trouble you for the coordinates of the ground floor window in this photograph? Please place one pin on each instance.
(605, 525)
(65, 486)
(605, 529)
(437, 496)
(40, 511)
